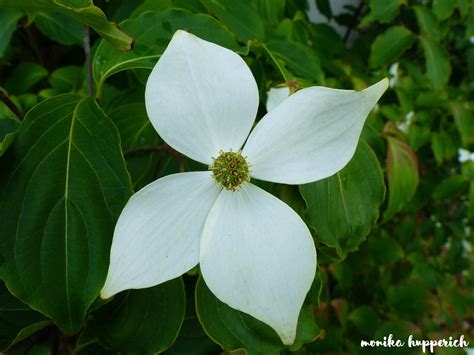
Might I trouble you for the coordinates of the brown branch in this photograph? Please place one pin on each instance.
(150, 149)
(11, 105)
(87, 52)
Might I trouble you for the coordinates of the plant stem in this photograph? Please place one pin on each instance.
(87, 52)
(11, 105)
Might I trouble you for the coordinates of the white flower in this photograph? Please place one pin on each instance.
(406, 123)
(255, 253)
(465, 155)
(471, 39)
(393, 70)
(276, 96)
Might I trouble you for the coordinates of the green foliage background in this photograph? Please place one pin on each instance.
(392, 229)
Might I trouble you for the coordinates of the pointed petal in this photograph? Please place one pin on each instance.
(201, 97)
(157, 236)
(311, 135)
(258, 256)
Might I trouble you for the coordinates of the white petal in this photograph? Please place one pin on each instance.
(276, 96)
(311, 135)
(201, 97)
(258, 256)
(157, 236)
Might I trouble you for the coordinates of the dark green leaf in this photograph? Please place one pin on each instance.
(385, 250)
(17, 320)
(83, 11)
(299, 59)
(238, 16)
(137, 131)
(365, 319)
(402, 171)
(8, 129)
(450, 187)
(344, 207)
(59, 27)
(410, 301)
(390, 45)
(8, 19)
(234, 330)
(24, 77)
(63, 187)
(67, 79)
(272, 11)
(152, 32)
(142, 321)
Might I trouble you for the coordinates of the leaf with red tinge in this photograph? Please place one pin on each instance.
(402, 171)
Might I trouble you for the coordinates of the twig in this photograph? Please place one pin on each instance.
(150, 149)
(87, 52)
(11, 105)
(355, 16)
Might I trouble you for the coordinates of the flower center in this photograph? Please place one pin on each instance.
(230, 169)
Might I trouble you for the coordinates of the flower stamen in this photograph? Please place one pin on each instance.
(230, 169)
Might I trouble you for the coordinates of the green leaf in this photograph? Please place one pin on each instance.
(8, 129)
(438, 68)
(390, 45)
(59, 28)
(443, 9)
(382, 11)
(402, 171)
(427, 22)
(83, 11)
(344, 207)
(17, 320)
(385, 250)
(64, 183)
(410, 301)
(151, 5)
(142, 321)
(273, 11)
(450, 187)
(324, 7)
(152, 32)
(67, 79)
(24, 77)
(8, 19)
(442, 146)
(238, 16)
(299, 59)
(463, 115)
(234, 330)
(137, 131)
(365, 319)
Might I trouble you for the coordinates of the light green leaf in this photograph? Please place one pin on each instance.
(443, 9)
(59, 27)
(344, 207)
(427, 22)
(8, 19)
(463, 114)
(402, 171)
(442, 146)
(438, 68)
(390, 45)
(238, 16)
(450, 187)
(8, 129)
(142, 321)
(17, 320)
(152, 32)
(382, 11)
(273, 11)
(24, 77)
(64, 183)
(234, 330)
(83, 11)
